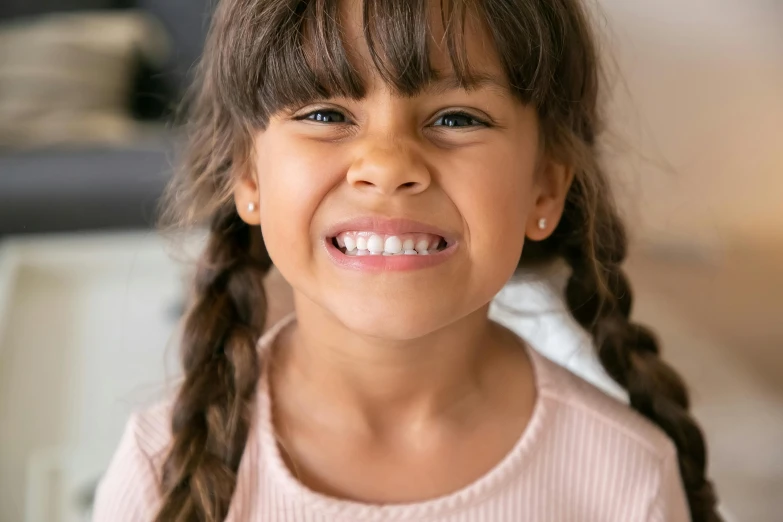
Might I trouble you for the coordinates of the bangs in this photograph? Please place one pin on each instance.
(278, 54)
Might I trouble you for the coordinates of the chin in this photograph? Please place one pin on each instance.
(395, 321)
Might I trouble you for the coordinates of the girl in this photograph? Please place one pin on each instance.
(393, 158)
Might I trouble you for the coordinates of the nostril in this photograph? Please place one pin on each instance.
(409, 184)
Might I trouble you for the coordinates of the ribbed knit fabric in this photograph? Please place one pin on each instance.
(583, 457)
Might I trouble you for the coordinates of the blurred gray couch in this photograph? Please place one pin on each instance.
(97, 187)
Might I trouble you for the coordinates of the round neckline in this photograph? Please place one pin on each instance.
(483, 487)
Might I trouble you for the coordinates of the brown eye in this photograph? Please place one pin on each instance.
(325, 116)
(458, 120)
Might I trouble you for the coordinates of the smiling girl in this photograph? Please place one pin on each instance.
(398, 161)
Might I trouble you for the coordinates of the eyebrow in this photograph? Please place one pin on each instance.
(477, 81)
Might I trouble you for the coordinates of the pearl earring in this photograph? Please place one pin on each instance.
(542, 223)
(251, 207)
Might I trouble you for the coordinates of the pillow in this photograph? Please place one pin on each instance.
(67, 78)
(532, 305)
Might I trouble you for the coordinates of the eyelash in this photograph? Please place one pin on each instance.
(477, 122)
(306, 117)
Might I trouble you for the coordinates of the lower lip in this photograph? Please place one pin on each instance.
(381, 263)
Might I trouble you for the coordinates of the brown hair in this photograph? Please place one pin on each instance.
(259, 58)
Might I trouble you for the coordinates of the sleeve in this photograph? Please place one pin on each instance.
(128, 491)
(670, 503)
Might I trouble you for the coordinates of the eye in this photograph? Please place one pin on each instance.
(324, 116)
(458, 120)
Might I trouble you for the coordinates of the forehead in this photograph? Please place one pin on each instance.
(383, 39)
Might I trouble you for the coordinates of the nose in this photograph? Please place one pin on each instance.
(389, 168)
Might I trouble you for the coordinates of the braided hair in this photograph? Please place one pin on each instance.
(598, 294)
(211, 414)
(591, 238)
(212, 411)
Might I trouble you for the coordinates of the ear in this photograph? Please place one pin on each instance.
(246, 199)
(554, 181)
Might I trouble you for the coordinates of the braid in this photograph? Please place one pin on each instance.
(591, 238)
(599, 297)
(211, 415)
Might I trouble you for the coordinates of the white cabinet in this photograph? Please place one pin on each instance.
(87, 327)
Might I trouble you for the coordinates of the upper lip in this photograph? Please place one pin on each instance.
(387, 226)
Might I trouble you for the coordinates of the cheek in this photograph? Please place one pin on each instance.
(292, 181)
(495, 210)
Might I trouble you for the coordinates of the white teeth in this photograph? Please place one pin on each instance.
(366, 243)
(375, 244)
(393, 245)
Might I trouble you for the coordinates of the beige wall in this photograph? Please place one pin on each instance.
(697, 118)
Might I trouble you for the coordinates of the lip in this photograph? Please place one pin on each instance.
(388, 226)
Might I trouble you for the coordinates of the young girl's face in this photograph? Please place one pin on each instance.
(454, 172)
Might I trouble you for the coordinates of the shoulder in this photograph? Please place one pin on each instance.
(580, 403)
(151, 430)
(129, 489)
(616, 462)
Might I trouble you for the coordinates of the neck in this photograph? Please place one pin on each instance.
(324, 367)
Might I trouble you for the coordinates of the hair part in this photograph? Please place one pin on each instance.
(263, 56)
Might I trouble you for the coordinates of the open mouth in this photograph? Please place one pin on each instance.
(374, 244)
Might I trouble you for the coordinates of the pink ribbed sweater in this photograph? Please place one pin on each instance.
(582, 457)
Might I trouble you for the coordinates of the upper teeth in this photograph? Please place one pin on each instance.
(392, 245)
(369, 243)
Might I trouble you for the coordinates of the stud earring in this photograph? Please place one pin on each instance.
(542, 223)
(251, 207)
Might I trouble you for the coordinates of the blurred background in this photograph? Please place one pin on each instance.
(90, 295)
